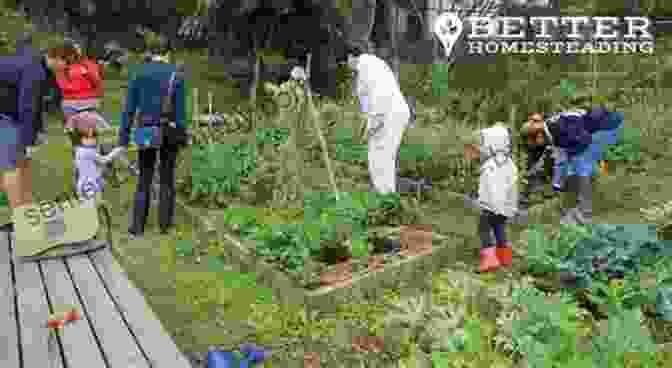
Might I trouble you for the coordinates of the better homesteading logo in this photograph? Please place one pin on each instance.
(585, 35)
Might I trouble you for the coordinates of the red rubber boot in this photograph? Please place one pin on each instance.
(505, 254)
(489, 261)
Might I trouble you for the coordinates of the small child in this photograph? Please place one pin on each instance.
(497, 192)
(89, 163)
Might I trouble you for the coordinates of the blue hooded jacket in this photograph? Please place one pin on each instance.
(25, 76)
(574, 133)
(148, 84)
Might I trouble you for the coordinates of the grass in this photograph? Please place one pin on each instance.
(200, 306)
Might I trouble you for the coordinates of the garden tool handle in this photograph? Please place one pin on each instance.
(210, 96)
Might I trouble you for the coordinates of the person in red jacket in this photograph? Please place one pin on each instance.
(90, 63)
(78, 79)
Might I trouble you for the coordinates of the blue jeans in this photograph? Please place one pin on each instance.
(583, 164)
(11, 150)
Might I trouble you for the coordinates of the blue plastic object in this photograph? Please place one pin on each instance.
(226, 359)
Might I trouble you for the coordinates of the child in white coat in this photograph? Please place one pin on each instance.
(497, 192)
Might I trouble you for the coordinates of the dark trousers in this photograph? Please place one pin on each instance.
(147, 161)
(488, 224)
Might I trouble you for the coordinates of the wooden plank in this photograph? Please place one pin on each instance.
(79, 345)
(40, 348)
(117, 343)
(9, 338)
(155, 341)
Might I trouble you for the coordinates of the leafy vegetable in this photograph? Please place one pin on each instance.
(628, 149)
(547, 335)
(349, 149)
(218, 168)
(274, 135)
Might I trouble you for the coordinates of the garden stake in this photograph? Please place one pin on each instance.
(210, 96)
(316, 125)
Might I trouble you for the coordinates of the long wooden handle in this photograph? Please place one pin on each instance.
(323, 142)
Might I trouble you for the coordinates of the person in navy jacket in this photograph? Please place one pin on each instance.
(579, 138)
(144, 106)
(23, 79)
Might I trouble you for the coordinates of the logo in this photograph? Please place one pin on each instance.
(46, 211)
(448, 28)
(546, 35)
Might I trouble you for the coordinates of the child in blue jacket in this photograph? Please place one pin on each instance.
(578, 139)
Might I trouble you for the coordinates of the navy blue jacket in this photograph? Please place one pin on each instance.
(574, 133)
(26, 74)
(149, 82)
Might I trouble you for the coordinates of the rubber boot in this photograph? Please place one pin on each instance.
(489, 261)
(505, 254)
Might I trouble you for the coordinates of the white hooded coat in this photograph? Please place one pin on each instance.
(498, 185)
(388, 116)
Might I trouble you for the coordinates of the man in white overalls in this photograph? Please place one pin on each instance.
(387, 112)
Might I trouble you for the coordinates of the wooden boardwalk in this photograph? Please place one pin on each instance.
(117, 329)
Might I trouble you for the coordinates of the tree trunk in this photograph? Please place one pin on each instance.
(393, 25)
(360, 22)
(255, 60)
(430, 16)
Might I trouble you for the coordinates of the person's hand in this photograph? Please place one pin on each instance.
(377, 124)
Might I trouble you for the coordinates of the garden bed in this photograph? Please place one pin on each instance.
(297, 277)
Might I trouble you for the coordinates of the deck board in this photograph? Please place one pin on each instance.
(40, 347)
(118, 344)
(79, 344)
(118, 329)
(9, 338)
(153, 338)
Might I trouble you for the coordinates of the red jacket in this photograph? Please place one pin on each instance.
(83, 82)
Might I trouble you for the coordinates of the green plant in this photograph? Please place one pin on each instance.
(272, 136)
(218, 168)
(546, 250)
(546, 335)
(629, 147)
(624, 334)
(243, 220)
(660, 214)
(288, 324)
(288, 244)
